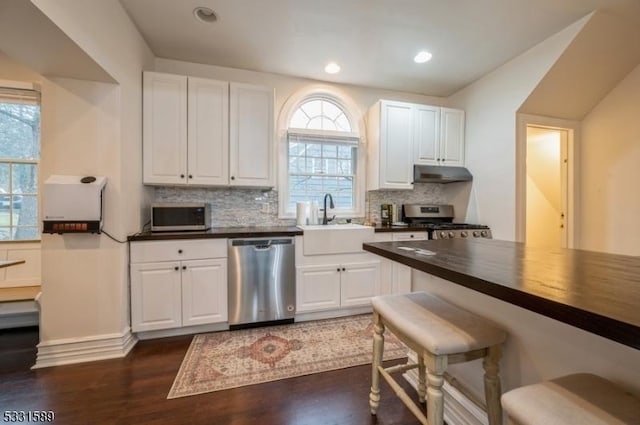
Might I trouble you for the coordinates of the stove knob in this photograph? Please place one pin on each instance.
(443, 235)
(452, 235)
(484, 233)
(464, 234)
(476, 234)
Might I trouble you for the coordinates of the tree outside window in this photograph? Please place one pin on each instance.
(19, 156)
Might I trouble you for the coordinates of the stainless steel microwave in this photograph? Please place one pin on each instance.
(177, 216)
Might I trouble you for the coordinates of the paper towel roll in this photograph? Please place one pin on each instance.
(313, 215)
(301, 213)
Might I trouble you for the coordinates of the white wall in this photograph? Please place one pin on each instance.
(609, 171)
(93, 128)
(491, 104)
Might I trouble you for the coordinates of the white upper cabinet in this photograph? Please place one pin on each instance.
(390, 153)
(439, 136)
(251, 150)
(164, 128)
(403, 134)
(206, 132)
(426, 143)
(451, 136)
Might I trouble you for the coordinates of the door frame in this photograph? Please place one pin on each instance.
(573, 135)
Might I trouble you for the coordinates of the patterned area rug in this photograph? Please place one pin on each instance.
(222, 360)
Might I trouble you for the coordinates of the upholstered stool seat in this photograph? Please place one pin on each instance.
(583, 399)
(441, 334)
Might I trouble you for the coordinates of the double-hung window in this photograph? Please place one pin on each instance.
(322, 156)
(19, 156)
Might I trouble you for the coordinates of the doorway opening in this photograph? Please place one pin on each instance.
(545, 170)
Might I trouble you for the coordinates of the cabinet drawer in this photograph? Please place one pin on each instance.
(183, 249)
(410, 236)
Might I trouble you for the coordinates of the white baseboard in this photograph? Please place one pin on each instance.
(80, 350)
(458, 409)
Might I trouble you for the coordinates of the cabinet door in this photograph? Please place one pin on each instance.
(396, 145)
(156, 296)
(204, 291)
(401, 282)
(208, 135)
(317, 288)
(251, 141)
(426, 142)
(359, 282)
(386, 265)
(451, 136)
(164, 129)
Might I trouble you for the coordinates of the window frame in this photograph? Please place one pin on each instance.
(26, 94)
(285, 211)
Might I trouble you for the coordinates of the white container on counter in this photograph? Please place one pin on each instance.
(301, 213)
(313, 216)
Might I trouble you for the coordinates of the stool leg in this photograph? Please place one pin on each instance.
(378, 348)
(492, 390)
(436, 366)
(422, 377)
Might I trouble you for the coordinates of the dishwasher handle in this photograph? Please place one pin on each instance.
(261, 244)
(265, 247)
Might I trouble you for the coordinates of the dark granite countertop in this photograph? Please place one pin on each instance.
(220, 232)
(594, 291)
(248, 232)
(383, 229)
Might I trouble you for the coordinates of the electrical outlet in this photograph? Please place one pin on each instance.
(265, 208)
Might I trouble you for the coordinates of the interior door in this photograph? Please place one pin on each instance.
(546, 187)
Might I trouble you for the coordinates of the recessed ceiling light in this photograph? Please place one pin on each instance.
(332, 68)
(204, 14)
(422, 57)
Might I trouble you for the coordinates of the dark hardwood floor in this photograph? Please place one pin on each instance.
(133, 390)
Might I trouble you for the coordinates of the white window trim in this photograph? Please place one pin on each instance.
(21, 85)
(354, 117)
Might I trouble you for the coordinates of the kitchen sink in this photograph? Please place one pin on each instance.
(335, 238)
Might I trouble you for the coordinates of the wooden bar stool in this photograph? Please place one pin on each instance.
(583, 399)
(441, 334)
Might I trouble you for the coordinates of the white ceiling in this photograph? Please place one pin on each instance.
(374, 41)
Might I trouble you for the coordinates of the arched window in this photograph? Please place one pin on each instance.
(322, 154)
(320, 114)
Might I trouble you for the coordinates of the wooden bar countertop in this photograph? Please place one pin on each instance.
(594, 291)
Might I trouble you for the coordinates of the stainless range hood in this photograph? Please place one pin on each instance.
(440, 174)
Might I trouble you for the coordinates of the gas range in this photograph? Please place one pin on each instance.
(438, 221)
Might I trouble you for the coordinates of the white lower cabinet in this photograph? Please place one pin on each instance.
(358, 283)
(317, 287)
(332, 286)
(156, 296)
(396, 277)
(182, 288)
(204, 292)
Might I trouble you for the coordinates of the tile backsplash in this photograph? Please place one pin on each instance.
(422, 193)
(233, 207)
(230, 207)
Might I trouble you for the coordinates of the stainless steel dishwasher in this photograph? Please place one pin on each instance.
(262, 281)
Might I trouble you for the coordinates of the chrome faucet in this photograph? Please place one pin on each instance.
(326, 220)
